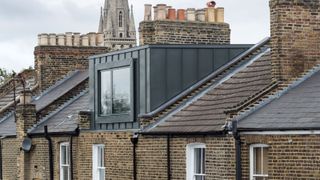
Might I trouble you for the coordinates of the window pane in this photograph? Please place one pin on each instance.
(257, 160)
(198, 177)
(197, 161)
(63, 155)
(105, 93)
(265, 160)
(65, 172)
(121, 91)
(101, 174)
(100, 157)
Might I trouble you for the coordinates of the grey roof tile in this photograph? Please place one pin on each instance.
(299, 108)
(65, 120)
(60, 89)
(8, 126)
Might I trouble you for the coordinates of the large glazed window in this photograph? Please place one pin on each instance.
(115, 96)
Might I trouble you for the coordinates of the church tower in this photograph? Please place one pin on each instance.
(117, 24)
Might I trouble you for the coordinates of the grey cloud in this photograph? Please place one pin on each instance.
(22, 20)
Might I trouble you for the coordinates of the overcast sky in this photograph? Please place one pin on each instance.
(22, 20)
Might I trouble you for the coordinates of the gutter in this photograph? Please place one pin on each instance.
(55, 134)
(210, 133)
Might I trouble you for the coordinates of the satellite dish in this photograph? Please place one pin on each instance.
(27, 144)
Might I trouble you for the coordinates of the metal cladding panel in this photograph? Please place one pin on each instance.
(174, 72)
(190, 67)
(220, 57)
(205, 61)
(158, 81)
(143, 81)
(174, 69)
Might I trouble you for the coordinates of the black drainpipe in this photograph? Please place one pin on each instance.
(237, 138)
(71, 158)
(168, 157)
(1, 176)
(75, 133)
(50, 152)
(134, 141)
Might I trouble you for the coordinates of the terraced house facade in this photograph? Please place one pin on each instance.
(178, 108)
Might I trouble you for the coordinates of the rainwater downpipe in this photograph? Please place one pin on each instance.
(168, 157)
(71, 157)
(134, 141)
(237, 139)
(51, 168)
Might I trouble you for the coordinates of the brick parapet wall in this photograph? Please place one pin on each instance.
(295, 37)
(290, 156)
(52, 63)
(183, 32)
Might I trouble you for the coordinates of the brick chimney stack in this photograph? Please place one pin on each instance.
(25, 114)
(25, 119)
(295, 37)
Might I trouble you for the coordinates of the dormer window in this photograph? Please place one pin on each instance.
(115, 91)
(120, 19)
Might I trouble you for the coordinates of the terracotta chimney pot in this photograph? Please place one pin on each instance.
(181, 14)
(172, 14)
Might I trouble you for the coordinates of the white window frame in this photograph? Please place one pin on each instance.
(66, 144)
(252, 147)
(190, 159)
(95, 158)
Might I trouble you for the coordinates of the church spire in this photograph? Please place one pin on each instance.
(132, 28)
(101, 23)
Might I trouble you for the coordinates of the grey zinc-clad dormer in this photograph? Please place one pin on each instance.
(117, 24)
(128, 83)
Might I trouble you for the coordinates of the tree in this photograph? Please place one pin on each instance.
(5, 75)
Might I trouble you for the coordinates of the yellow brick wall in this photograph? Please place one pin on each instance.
(10, 151)
(290, 156)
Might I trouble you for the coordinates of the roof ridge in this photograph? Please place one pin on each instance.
(278, 94)
(56, 111)
(209, 88)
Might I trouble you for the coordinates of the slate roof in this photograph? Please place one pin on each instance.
(8, 126)
(65, 118)
(61, 88)
(297, 109)
(205, 113)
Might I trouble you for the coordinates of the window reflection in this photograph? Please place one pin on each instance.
(115, 91)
